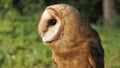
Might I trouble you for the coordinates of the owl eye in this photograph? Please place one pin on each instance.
(52, 22)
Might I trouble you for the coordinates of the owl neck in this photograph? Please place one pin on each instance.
(72, 56)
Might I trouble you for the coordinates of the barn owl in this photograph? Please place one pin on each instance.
(74, 44)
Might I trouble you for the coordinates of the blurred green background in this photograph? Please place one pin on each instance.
(21, 45)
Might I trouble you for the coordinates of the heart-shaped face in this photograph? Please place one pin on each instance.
(59, 20)
(50, 25)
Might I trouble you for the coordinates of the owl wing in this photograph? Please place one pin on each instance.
(97, 53)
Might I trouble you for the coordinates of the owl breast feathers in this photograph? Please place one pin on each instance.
(73, 42)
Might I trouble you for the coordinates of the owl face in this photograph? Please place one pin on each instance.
(59, 23)
(50, 25)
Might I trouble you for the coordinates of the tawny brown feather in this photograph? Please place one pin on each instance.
(73, 42)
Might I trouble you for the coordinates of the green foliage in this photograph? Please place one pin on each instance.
(20, 43)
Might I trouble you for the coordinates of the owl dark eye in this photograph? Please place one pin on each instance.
(52, 22)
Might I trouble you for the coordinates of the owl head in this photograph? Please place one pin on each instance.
(60, 23)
